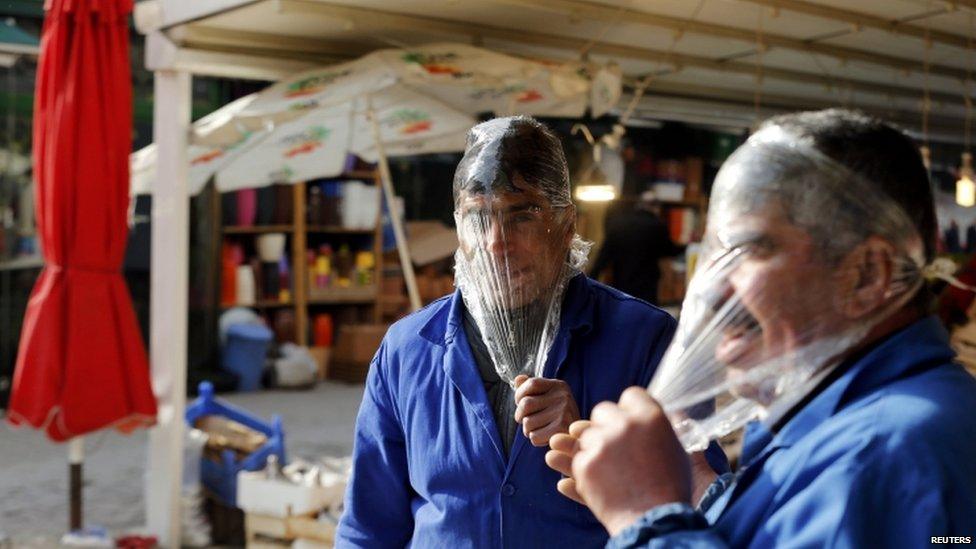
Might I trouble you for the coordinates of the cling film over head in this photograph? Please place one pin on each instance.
(517, 246)
(802, 257)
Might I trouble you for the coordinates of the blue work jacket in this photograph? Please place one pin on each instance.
(429, 468)
(884, 456)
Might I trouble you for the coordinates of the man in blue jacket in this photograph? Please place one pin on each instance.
(880, 449)
(447, 453)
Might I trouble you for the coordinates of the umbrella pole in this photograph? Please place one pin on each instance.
(401, 240)
(76, 456)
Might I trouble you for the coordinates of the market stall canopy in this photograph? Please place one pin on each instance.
(708, 58)
(424, 99)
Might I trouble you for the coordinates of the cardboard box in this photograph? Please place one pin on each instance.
(355, 346)
(393, 284)
(322, 356)
(430, 241)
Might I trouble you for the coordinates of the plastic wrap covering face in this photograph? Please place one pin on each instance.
(517, 249)
(801, 259)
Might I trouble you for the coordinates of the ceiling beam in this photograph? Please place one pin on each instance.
(791, 102)
(200, 36)
(654, 105)
(609, 14)
(368, 18)
(151, 15)
(163, 54)
(864, 20)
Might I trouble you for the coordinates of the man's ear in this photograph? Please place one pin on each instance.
(865, 277)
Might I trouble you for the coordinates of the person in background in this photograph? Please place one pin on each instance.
(450, 443)
(634, 243)
(879, 450)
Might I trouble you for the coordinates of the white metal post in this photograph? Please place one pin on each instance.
(168, 303)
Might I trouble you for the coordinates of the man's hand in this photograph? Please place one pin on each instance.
(564, 448)
(545, 407)
(628, 460)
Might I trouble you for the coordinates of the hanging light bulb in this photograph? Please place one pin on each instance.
(594, 187)
(593, 183)
(965, 187)
(595, 193)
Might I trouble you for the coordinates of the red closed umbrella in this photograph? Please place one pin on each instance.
(82, 365)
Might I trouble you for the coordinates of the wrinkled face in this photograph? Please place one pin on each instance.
(777, 294)
(515, 240)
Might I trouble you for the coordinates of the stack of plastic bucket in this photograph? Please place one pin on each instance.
(244, 353)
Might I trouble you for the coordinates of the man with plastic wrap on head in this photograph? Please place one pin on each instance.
(463, 396)
(808, 322)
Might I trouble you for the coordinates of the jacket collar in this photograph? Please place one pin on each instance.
(919, 346)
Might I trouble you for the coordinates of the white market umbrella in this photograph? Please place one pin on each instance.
(316, 145)
(420, 95)
(388, 103)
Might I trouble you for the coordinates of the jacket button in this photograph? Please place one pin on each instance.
(508, 490)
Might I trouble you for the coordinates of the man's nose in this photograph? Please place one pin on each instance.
(498, 240)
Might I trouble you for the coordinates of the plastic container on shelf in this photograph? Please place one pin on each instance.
(323, 330)
(331, 203)
(284, 279)
(244, 353)
(284, 204)
(228, 208)
(266, 206)
(247, 207)
(245, 289)
(228, 276)
(365, 264)
(315, 205)
(270, 281)
(271, 247)
(344, 264)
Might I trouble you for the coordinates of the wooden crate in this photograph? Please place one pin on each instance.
(349, 372)
(266, 531)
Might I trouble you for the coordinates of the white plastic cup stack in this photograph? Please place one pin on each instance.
(271, 247)
(245, 285)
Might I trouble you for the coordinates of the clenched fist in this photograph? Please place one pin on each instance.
(544, 407)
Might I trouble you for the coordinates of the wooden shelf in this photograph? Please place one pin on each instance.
(301, 237)
(261, 305)
(334, 229)
(365, 294)
(258, 229)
